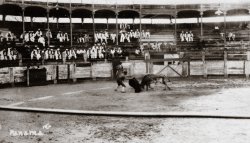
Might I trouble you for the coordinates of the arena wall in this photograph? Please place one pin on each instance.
(137, 68)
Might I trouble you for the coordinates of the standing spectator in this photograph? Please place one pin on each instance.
(41, 40)
(66, 37)
(60, 36)
(186, 36)
(191, 38)
(113, 37)
(122, 38)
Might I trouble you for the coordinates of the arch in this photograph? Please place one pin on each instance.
(105, 13)
(209, 13)
(10, 9)
(238, 12)
(81, 13)
(59, 12)
(128, 14)
(35, 11)
(188, 14)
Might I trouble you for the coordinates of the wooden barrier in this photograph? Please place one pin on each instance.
(137, 68)
(225, 64)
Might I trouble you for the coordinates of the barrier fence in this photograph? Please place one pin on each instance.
(226, 64)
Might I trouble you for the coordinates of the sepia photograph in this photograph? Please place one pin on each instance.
(124, 71)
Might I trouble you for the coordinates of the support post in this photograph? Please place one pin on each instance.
(4, 17)
(175, 25)
(23, 22)
(189, 74)
(107, 23)
(147, 57)
(93, 18)
(68, 69)
(48, 30)
(204, 64)
(31, 22)
(28, 76)
(92, 73)
(201, 23)
(140, 14)
(57, 21)
(71, 27)
(55, 74)
(116, 26)
(225, 31)
(12, 80)
(225, 64)
(73, 73)
(20, 59)
(247, 65)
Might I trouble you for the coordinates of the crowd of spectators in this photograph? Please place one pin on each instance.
(97, 51)
(8, 54)
(37, 44)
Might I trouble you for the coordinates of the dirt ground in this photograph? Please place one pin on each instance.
(225, 96)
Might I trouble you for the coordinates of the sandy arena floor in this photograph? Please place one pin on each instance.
(220, 96)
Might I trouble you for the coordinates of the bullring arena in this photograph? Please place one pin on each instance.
(58, 71)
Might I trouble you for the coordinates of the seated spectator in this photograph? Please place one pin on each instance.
(48, 34)
(163, 46)
(191, 37)
(157, 47)
(127, 37)
(2, 56)
(39, 33)
(122, 38)
(26, 37)
(60, 37)
(142, 49)
(137, 52)
(57, 54)
(86, 37)
(9, 36)
(147, 34)
(93, 52)
(65, 37)
(137, 34)
(81, 39)
(35, 54)
(32, 37)
(143, 34)
(42, 41)
(231, 36)
(1, 37)
(216, 29)
(112, 52)
(119, 52)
